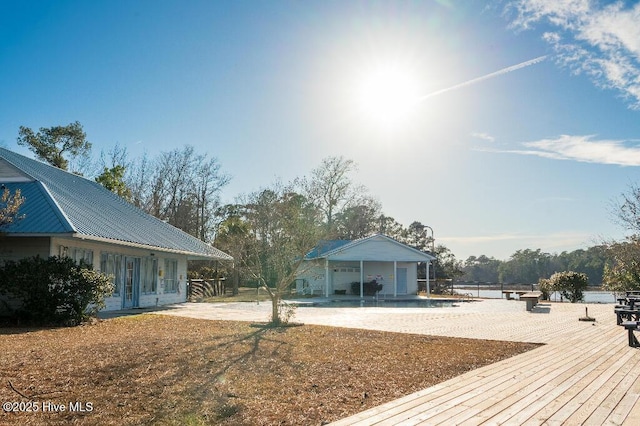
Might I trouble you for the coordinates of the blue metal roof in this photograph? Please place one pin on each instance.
(40, 208)
(327, 249)
(61, 202)
(324, 247)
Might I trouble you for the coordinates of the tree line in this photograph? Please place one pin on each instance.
(269, 231)
(528, 266)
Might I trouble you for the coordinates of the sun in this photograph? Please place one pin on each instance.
(387, 95)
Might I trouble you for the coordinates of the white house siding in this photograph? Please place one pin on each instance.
(343, 274)
(311, 278)
(378, 248)
(159, 297)
(384, 274)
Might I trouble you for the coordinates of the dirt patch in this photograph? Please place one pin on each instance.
(154, 369)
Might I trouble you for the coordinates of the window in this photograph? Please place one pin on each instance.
(77, 254)
(170, 276)
(113, 265)
(148, 273)
(346, 269)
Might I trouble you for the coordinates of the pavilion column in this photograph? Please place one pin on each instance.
(428, 286)
(361, 279)
(395, 278)
(326, 277)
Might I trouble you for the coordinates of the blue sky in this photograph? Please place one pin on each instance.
(494, 157)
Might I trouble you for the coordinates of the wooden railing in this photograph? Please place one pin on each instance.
(202, 288)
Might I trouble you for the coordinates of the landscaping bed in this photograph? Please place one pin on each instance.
(155, 369)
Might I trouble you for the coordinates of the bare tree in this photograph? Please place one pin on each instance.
(331, 189)
(180, 187)
(626, 210)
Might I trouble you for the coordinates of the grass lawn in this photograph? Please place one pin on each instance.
(155, 369)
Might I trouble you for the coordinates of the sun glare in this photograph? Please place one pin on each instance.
(387, 96)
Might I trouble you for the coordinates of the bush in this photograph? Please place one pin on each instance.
(54, 290)
(546, 288)
(571, 284)
(368, 289)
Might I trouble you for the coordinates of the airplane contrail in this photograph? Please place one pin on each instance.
(485, 77)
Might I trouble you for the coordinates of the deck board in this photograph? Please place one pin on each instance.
(584, 374)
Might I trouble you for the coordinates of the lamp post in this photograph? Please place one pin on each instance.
(433, 253)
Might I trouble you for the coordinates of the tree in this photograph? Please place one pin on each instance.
(571, 284)
(357, 221)
(447, 265)
(234, 237)
(525, 266)
(9, 206)
(626, 210)
(113, 180)
(622, 271)
(482, 269)
(53, 143)
(391, 228)
(284, 228)
(330, 188)
(180, 187)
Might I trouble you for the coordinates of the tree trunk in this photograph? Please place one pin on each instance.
(275, 312)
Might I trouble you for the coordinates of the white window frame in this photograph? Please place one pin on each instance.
(171, 276)
(149, 275)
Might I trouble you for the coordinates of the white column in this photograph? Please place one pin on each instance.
(361, 279)
(326, 277)
(428, 286)
(395, 278)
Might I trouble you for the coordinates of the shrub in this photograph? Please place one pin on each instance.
(368, 289)
(571, 284)
(54, 290)
(546, 288)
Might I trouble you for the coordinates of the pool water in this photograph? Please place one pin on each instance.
(369, 303)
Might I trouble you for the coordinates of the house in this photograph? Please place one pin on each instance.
(67, 215)
(332, 266)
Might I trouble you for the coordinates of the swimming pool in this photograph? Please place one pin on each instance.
(370, 303)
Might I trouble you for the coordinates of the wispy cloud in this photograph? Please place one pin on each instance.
(483, 136)
(484, 77)
(602, 41)
(583, 149)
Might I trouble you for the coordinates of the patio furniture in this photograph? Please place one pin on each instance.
(631, 326)
(531, 298)
(626, 314)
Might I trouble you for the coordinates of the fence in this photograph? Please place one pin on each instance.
(201, 288)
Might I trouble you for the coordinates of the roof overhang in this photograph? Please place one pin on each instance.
(190, 255)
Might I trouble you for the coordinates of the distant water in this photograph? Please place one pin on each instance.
(589, 296)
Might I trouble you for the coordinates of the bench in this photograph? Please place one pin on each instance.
(531, 298)
(631, 326)
(626, 314)
(508, 293)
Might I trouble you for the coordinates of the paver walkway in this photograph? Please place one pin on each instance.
(584, 374)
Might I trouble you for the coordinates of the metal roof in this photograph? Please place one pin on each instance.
(327, 249)
(60, 202)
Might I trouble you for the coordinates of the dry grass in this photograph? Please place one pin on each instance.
(154, 369)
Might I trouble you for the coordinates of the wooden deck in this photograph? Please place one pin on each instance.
(584, 374)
